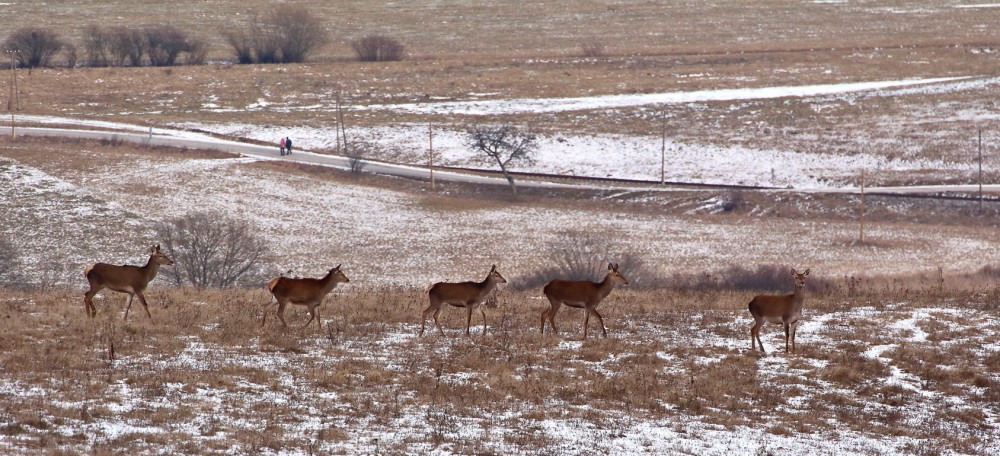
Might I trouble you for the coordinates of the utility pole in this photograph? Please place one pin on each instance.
(663, 148)
(861, 231)
(980, 172)
(13, 92)
(430, 151)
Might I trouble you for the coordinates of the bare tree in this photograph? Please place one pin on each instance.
(212, 251)
(377, 48)
(33, 47)
(504, 145)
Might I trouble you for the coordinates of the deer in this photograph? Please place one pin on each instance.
(582, 295)
(125, 279)
(306, 291)
(784, 309)
(464, 294)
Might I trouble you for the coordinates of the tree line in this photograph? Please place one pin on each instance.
(286, 34)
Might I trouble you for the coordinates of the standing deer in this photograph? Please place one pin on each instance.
(582, 295)
(465, 294)
(784, 309)
(306, 291)
(125, 278)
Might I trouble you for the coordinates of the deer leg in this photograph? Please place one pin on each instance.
(88, 301)
(552, 316)
(142, 300)
(795, 327)
(601, 320)
(436, 322)
(468, 320)
(423, 316)
(788, 327)
(755, 335)
(312, 316)
(484, 319)
(281, 313)
(586, 321)
(129, 306)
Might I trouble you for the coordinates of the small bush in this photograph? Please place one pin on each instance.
(287, 35)
(166, 43)
(592, 49)
(10, 263)
(378, 48)
(97, 45)
(763, 277)
(585, 256)
(34, 47)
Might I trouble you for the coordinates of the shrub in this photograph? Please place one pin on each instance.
(166, 43)
(127, 46)
(97, 45)
(585, 256)
(377, 48)
(211, 250)
(289, 35)
(10, 265)
(763, 277)
(592, 49)
(34, 47)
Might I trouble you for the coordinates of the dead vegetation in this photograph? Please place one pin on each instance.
(365, 380)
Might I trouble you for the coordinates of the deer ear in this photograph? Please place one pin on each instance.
(616, 266)
(611, 266)
(793, 271)
(338, 266)
(494, 268)
(807, 272)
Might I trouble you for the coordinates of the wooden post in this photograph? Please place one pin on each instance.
(980, 172)
(430, 151)
(663, 149)
(13, 91)
(861, 231)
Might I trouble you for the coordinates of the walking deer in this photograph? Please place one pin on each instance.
(125, 278)
(305, 291)
(465, 294)
(582, 295)
(784, 309)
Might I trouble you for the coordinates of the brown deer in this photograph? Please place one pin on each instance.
(125, 278)
(465, 294)
(305, 291)
(582, 295)
(784, 309)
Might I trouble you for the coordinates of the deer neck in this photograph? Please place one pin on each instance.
(486, 286)
(605, 286)
(150, 269)
(329, 282)
(798, 297)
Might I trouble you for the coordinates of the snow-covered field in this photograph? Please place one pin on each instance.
(375, 388)
(181, 385)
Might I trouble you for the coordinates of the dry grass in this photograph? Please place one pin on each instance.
(203, 375)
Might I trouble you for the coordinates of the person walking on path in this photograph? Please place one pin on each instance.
(281, 146)
(288, 146)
